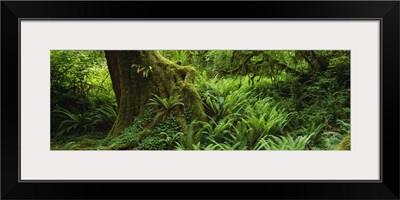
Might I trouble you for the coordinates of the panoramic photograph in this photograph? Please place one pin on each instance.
(159, 100)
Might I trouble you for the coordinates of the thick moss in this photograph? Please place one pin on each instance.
(123, 146)
(136, 88)
(192, 102)
(88, 143)
(344, 144)
(180, 120)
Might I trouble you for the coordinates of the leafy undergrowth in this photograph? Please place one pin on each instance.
(240, 117)
(277, 101)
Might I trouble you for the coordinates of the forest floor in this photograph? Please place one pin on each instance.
(83, 141)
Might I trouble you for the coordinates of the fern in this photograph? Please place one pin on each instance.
(73, 122)
(192, 140)
(165, 106)
(105, 116)
(345, 127)
(283, 143)
(169, 139)
(70, 146)
(215, 106)
(225, 146)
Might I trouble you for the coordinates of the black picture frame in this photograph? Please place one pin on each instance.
(13, 11)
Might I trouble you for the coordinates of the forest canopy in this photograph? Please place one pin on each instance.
(200, 100)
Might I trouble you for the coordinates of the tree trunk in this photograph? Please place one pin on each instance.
(137, 74)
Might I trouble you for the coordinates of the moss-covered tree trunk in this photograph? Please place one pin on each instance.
(137, 74)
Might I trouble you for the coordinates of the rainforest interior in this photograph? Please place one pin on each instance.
(200, 100)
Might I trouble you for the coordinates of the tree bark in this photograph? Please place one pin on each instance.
(112, 63)
(133, 87)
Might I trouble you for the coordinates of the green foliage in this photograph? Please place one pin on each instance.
(344, 127)
(153, 143)
(171, 138)
(274, 119)
(70, 146)
(254, 100)
(129, 137)
(167, 125)
(214, 106)
(77, 72)
(168, 132)
(104, 117)
(80, 83)
(283, 143)
(144, 70)
(165, 106)
(73, 122)
(192, 140)
(100, 119)
(328, 141)
(162, 136)
(344, 144)
(178, 56)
